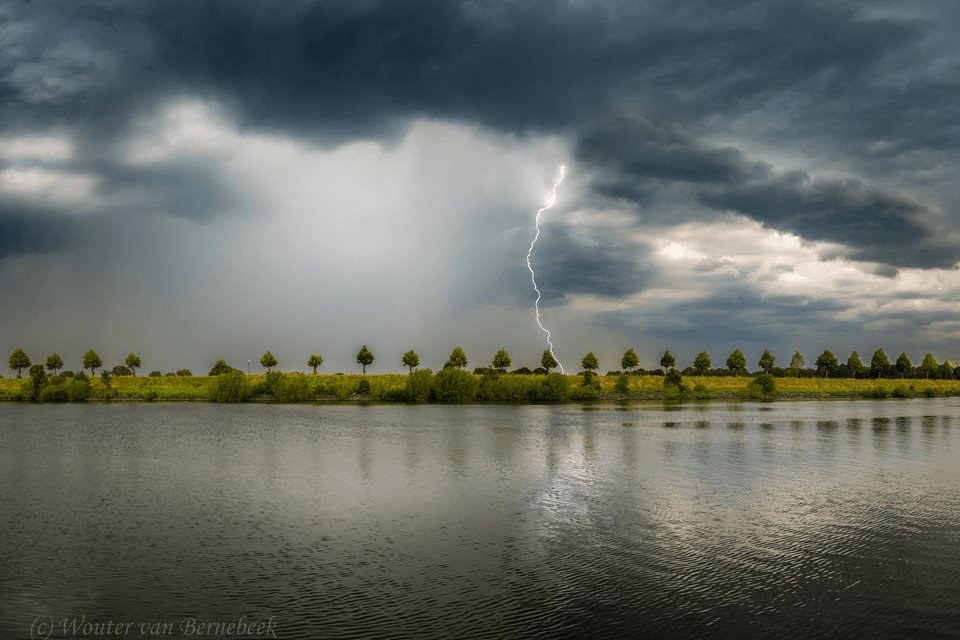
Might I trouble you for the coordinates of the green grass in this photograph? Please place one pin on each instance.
(390, 386)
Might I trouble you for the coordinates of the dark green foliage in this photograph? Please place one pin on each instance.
(667, 361)
(623, 385)
(453, 384)
(902, 391)
(121, 370)
(419, 384)
(458, 358)
(230, 387)
(854, 365)
(92, 361)
(673, 378)
(903, 365)
(590, 362)
(268, 361)
(150, 396)
(157, 374)
(946, 371)
(54, 362)
(184, 373)
(314, 361)
(736, 361)
(132, 362)
(797, 362)
(589, 379)
(522, 371)
(584, 393)
(38, 380)
(629, 360)
(291, 388)
(879, 364)
(218, 369)
(501, 360)
(702, 362)
(363, 387)
(106, 377)
(169, 374)
(365, 358)
(929, 368)
(19, 360)
(827, 362)
(410, 360)
(555, 387)
(762, 386)
(547, 361)
(766, 361)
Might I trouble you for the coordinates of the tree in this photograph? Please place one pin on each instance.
(458, 358)
(54, 362)
(946, 371)
(19, 360)
(797, 362)
(929, 366)
(411, 360)
(590, 362)
(267, 361)
(629, 360)
(667, 361)
(365, 358)
(903, 365)
(92, 361)
(736, 361)
(314, 361)
(702, 363)
(132, 362)
(854, 364)
(38, 379)
(501, 360)
(766, 361)
(219, 368)
(547, 361)
(879, 363)
(827, 362)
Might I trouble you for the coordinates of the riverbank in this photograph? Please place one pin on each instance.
(508, 387)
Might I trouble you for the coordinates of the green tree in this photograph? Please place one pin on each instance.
(133, 363)
(267, 361)
(547, 361)
(736, 361)
(590, 362)
(458, 358)
(54, 362)
(903, 365)
(946, 371)
(623, 384)
(667, 361)
(92, 361)
(219, 368)
(797, 362)
(854, 364)
(930, 366)
(314, 361)
(702, 363)
(365, 358)
(19, 360)
(827, 362)
(766, 361)
(38, 380)
(879, 363)
(411, 360)
(629, 361)
(500, 361)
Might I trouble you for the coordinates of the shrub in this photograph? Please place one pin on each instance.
(590, 379)
(184, 373)
(930, 392)
(363, 388)
(455, 385)
(762, 386)
(554, 388)
(121, 370)
(877, 392)
(623, 385)
(169, 374)
(78, 389)
(902, 391)
(55, 393)
(700, 391)
(219, 368)
(418, 386)
(230, 387)
(291, 388)
(582, 393)
(150, 396)
(154, 374)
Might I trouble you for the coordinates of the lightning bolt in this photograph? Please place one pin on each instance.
(548, 202)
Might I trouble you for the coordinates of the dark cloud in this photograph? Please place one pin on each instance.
(24, 231)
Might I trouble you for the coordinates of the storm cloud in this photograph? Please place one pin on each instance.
(830, 121)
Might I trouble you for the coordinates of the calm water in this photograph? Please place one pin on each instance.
(807, 519)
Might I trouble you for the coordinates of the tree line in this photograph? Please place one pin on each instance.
(825, 365)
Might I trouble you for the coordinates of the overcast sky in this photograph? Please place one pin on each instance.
(194, 180)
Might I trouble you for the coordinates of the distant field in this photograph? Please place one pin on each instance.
(345, 386)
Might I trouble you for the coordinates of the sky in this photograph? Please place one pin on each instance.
(200, 180)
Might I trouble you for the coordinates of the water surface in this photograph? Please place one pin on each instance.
(796, 519)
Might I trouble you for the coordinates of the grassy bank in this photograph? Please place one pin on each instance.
(508, 387)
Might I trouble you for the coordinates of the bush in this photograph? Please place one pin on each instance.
(184, 373)
(590, 379)
(554, 388)
(55, 393)
(582, 393)
(623, 384)
(363, 388)
(762, 386)
(154, 374)
(78, 389)
(902, 391)
(121, 370)
(291, 388)
(455, 385)
(930, 392)
(230, 387)
(150, 396)
(877, 392)
(418, 386)
(169, 374)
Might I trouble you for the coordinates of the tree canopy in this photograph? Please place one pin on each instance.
(92, 361)
(702, 362)
(590, 362)
(364, 358)
(501, 360)
(827, 362)
(314, 361)
(667, 361)
(766, 361)
(132, 362)
(457, 359)
(736, 361)
(547, 361)
(411, 360)
(268, 361)
(19, 360)
(54, 362)
(629, 360)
